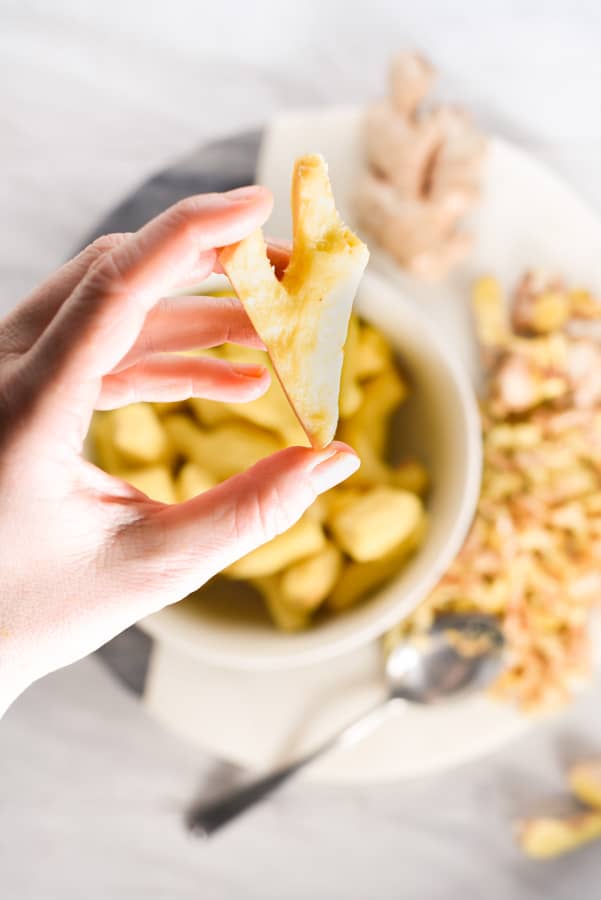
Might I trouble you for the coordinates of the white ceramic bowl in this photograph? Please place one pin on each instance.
(440, 424)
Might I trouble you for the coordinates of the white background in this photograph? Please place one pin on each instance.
(94, 98)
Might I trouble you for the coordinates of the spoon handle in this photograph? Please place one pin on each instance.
(208, 818)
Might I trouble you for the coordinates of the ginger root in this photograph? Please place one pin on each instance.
(423, 174)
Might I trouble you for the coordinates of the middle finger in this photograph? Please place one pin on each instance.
(191, 323)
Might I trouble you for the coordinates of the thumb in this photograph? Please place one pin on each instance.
(195, 540)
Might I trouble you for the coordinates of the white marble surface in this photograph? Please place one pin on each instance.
(91, 101)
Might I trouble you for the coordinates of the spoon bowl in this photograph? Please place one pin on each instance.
(459, 653)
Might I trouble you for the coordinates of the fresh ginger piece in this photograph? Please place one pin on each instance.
(106, 455)
(284, 617)
(583, 305)
(419, 235)
(546, 837)
(585, 782)
(227, 449)
(318, 510)
(339, 497)
(374, 353)
(455, 175)
(154, 481)
(422, 174)
(303, 319)
(359, 580)
(192, 480)
(410, 475)
(271, 410)
(381, 397)
(210, 412)
(400, 151)
(550, 311)
(214, 412)
(165, 409)
(188, 439)
(488, 303)
(373, 524)
(304, 538)
(411, 77)
(351, 394)
(305, 584)
(541, 305)
(373, 470)
(139, 434)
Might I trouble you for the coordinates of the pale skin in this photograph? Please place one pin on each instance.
(84, 555)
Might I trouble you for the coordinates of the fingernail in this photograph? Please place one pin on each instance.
(334, 469)
(319, 456)
(248, 370)
(243, 194)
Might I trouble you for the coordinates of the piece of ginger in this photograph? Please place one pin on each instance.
(370, 526)
(303, 319)
(547, 837)
(422, 174)
(303, 539)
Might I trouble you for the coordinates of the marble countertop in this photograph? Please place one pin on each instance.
(92, 101)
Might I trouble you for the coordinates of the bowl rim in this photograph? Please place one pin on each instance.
(178, 628)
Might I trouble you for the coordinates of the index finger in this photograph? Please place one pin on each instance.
(102, 318)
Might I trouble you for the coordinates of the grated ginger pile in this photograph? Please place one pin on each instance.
(533, 556)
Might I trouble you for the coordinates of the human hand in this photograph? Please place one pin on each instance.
(83, 554)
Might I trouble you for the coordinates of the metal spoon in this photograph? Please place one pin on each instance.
(460, 652)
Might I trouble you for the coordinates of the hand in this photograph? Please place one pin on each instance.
(84, 555)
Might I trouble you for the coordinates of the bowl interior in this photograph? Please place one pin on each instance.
(225, 624)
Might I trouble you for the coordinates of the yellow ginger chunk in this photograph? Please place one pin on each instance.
(210, 412)
(490, 313)
(305, 584)
(102, 433)
(374, 353)
(164, 409)
(285, 617)
(227, 449)
(373, 524)
(411, 475)
(303, 539)
(546, 837)
(350, 390)
(585, 782)
(550, 311)
(303, 319)
(271, 410)
(360, 579)
(154, 481)
(191, 481)
(138, 434)
(381, 397)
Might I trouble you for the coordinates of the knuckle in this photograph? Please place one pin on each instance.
(108, 274)
(184, 209)
(105, 243)
(183, 218)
